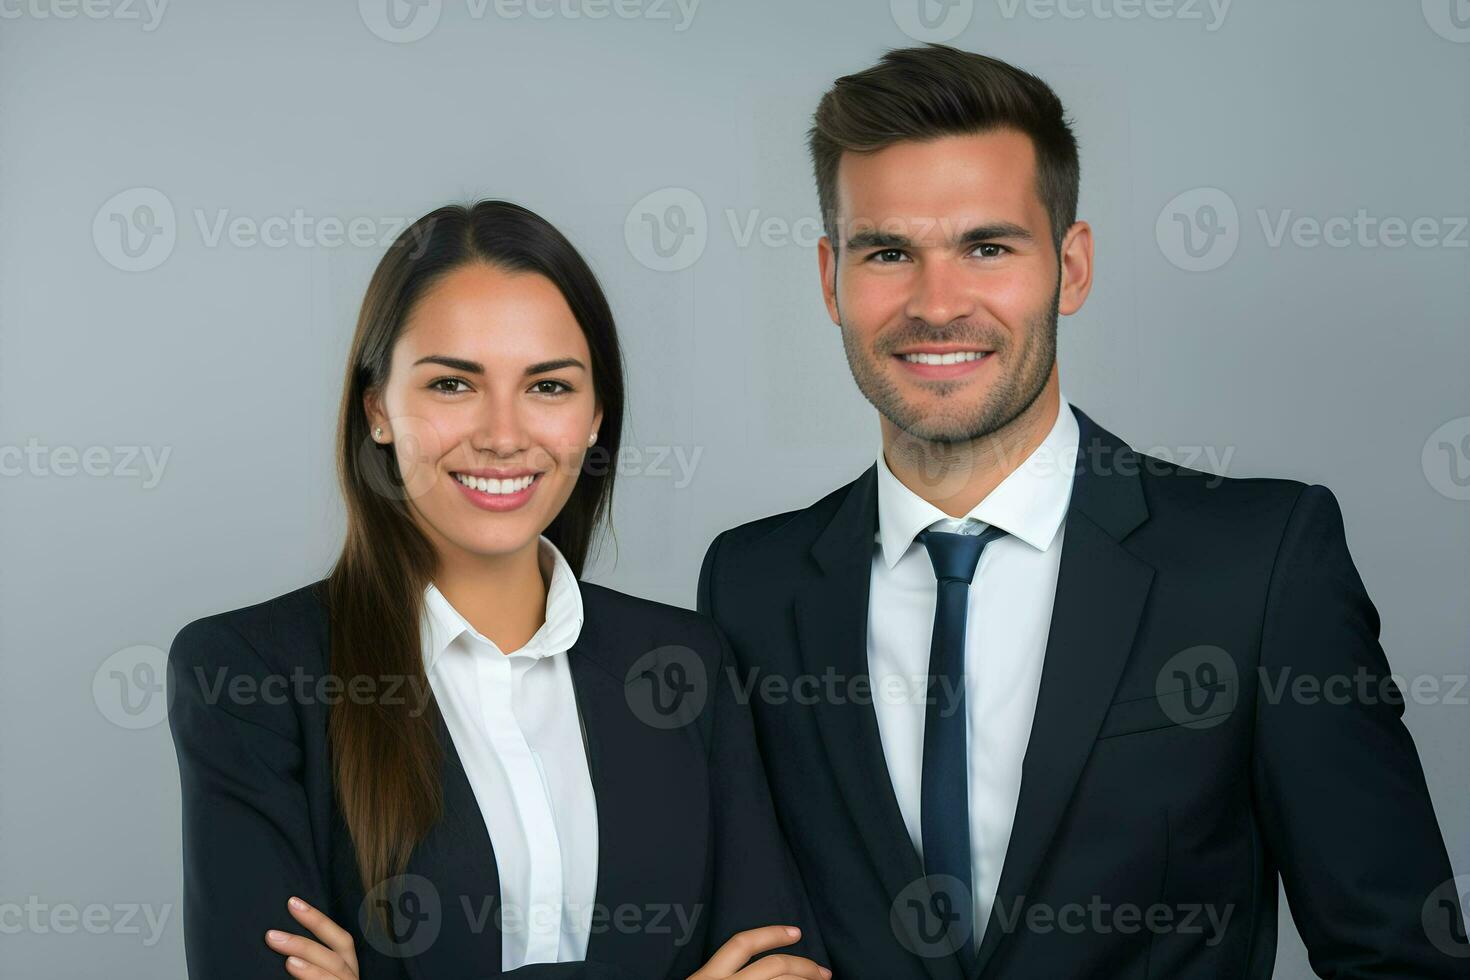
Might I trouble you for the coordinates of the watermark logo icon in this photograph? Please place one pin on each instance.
(667, 687)
(933, 916)
(667, 230)
(400, 21)
(1198, 687)
(932, 20)
(1446, 459)
(402, 915)
(130, 688)
(1444, 917)
(135, 230)
(1199, 229)
(1450, 19)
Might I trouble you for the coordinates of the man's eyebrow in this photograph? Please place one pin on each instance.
(970, 236)
(475, 367)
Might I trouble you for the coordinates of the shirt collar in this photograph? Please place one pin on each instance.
(1028, 504)
(441, 624)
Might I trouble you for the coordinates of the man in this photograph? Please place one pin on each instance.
(1030, 702)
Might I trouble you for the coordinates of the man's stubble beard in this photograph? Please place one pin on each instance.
(1011, 394)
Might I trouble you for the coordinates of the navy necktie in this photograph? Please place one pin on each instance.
(944, 800)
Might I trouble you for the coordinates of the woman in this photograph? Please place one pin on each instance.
(454, 758)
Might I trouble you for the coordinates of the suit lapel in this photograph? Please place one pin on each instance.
(832, 626)
(652, 817)
(1101, 589)
(455, 866)
(643, 815)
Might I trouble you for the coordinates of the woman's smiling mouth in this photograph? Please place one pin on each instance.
(498, 492)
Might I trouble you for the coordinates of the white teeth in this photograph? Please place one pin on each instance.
(951, 358)
(484, 485)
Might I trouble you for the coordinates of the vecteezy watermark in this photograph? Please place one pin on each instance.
(137, 229)
(933, 916)
(667, 687)
(1198, 687)
(657, 462)
(1445, 459)
(130, 687)
(666, 230)
(404, 915)
(832, 687)
(1362, 687)
(34, 459)
(1446, 917)
(411, 464)
(147, 13)
(1200, 229)
(37, 917)
(401, 916)
(1450, 19)
(406, 21)
(932, 20)
(671, 919)
(1210, 13)
(301, 688)
(1098, 916)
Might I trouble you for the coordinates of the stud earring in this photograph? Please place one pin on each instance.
(378, 432)
(592, 439)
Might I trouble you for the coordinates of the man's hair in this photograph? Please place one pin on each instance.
(932, 91)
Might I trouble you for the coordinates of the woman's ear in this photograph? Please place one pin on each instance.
(372, 406)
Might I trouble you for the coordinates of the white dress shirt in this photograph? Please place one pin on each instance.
(514, 721)
(1007, 622)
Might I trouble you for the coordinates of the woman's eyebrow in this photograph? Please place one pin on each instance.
(475, 367)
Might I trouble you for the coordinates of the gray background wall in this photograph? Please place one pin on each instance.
(214, 347)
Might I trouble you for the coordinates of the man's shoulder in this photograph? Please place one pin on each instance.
(1174, 490)
(797, 528)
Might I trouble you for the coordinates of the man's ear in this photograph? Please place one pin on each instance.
(1076, 271)
(827, 265)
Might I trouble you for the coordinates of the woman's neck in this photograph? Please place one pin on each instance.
(502, 596)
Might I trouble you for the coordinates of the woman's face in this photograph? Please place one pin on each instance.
(490, 408)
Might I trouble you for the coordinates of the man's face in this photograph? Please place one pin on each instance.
(945, 282)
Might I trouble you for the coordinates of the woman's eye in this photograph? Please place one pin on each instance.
(550, 387)
(448, 381)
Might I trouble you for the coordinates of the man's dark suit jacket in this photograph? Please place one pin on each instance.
(689, 851)
(1166, 768)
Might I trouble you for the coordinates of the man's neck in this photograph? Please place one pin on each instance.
(956, 476)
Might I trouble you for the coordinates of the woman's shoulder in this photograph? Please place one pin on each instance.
(284, 631)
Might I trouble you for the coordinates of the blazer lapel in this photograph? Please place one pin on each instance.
(448, 927)
(832, 626)
(1101, 589)
(451, 887)
(652, 825)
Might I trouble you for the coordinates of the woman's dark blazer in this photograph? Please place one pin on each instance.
(689, 848)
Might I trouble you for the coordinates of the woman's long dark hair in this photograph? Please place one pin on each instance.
(386, 757)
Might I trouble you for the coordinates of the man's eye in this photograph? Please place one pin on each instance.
(550, 387)
(998, 249)
(887, 255)
(450, 381)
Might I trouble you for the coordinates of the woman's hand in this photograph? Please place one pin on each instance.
(332, 958)
(729, 961)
